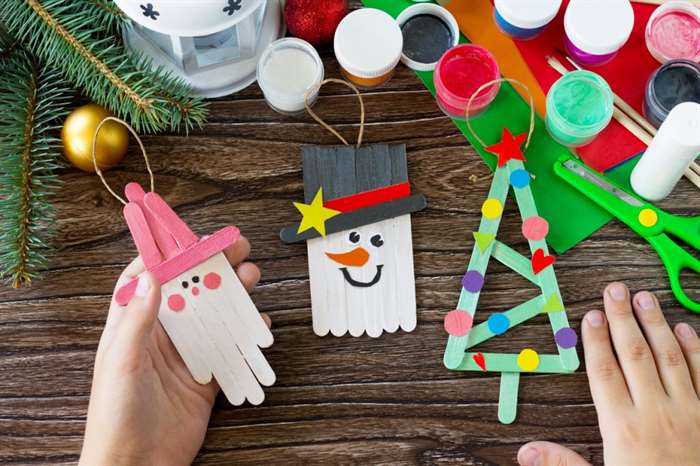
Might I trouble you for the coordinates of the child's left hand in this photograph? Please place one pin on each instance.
(145, 408)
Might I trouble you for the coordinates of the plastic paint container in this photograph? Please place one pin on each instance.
(428, 32)
(579, 107)
(673, 83)
(524, 20)
(368, 45)
(673, 31)
(287, 69)
(595, 30)
(674, 147)
(459, 73)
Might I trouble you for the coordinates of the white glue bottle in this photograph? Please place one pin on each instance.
(674, 148)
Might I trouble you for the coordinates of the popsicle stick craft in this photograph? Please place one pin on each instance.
(357, 225)
(205, 309)
(538, 269)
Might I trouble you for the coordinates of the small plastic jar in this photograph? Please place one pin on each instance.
(287, 69)
(673, 31)
(595, 30)
(368, 45)
(675, 82)
(461, 71)
(579, 107)
(428, 31)
(524, 20)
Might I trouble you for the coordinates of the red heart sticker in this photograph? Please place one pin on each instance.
(480, 361)
(540, 261)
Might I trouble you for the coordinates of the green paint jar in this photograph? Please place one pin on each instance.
(579, 106)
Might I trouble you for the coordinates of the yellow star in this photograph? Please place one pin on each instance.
(314, 215)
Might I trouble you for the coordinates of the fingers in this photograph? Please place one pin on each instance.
(608, 387)
(670, 362)
(129, 273)
(634, 354)
(238, 251)
(690, 345)
(547, 453)
(141, 313)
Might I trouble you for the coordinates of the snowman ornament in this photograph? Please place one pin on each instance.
(356, 221)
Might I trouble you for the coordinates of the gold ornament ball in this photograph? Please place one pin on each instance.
(78, 132)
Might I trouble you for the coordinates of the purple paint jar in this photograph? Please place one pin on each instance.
(595, 30)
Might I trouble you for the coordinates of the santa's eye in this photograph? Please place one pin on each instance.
(377, 241)
(354, 237)
(195, 279)
(185, 284)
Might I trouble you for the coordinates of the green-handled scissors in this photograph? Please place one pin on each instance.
(649, 222)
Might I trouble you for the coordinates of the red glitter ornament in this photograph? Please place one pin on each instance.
(315, 21)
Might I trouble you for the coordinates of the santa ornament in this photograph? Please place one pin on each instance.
(357, 224)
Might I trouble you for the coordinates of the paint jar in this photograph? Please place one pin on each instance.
(673, 83)
(524, 20)
(674, 147)
(595, 30)
(579, 107)
(287, 69)
(368, 45)
(673, 31)
(461, 71)
(428, 31)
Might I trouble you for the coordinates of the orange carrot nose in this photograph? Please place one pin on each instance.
(355, 258)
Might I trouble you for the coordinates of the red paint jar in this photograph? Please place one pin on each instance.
(461, 71)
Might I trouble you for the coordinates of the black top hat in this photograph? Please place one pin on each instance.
(366, 184)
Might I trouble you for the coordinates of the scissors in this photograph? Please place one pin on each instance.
(653, 224)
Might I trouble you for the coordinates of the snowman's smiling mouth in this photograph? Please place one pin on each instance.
(358, 284)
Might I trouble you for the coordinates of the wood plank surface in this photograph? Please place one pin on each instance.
(337, 400)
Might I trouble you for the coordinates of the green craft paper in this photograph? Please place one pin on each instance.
(572, 217)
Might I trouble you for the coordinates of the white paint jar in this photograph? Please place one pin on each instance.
(669, 155)
(287, 70)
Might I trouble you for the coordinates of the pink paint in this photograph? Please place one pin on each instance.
(459, 74)
(673, 32)
(212, 280)
(195, 291)
(176, 302)
(458, 323)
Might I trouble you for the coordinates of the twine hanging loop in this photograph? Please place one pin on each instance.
(320, 121)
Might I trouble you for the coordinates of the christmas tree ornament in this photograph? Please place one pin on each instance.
(78, 133)
(357, 224)
(315, 21)
(205, 309)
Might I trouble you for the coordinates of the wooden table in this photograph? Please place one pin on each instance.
(337, 400)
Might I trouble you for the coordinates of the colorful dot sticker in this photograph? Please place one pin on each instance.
(528, 360)
(566, 337)
(648, 218)
(458, 323)
(535, 228)
(492, 208)
(520, 178)
(176, 302)
(473, 281)
(498, 323)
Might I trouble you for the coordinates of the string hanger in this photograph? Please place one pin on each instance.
(143, 152)
(320, 121)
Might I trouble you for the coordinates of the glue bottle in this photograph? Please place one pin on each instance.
(669, 155)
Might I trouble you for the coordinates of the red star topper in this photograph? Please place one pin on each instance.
(508, 148)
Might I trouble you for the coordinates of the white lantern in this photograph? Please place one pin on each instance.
(214, 45)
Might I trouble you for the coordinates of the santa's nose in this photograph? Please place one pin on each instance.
(355, 258)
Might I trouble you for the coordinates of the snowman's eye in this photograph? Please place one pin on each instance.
(185, 284)
(354, 237)
(195, 279)
(377, 241)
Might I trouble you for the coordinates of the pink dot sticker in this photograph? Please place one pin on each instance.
(195, 291)
(535, 228)
(176, 302)
(212, 280)
(458, 323)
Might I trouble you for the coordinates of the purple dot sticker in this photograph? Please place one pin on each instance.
(520, 178)
(566, 337)
(535, 228)
(498, 323)
(473, 281)
(458, 323)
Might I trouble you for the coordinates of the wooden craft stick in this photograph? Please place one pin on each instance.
(405, 275)
(141, 233)
(516, 316)
(500, 362)
(508, 397)
(170, 221)
(514, 261)
(167, 245)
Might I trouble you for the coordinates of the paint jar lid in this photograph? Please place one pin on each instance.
(368, 43)
(599, 27)
(428, 31)
(532, 14)
(673, 31)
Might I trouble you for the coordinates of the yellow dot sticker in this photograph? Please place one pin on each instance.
(492, 208)
(528, 360)
(648, 218)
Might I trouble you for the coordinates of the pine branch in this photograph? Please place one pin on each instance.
(33, 101)
(77, 36)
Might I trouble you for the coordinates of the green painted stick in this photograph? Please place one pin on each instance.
(514, 261)
(499, 362)
(508, 397)
(516, 316)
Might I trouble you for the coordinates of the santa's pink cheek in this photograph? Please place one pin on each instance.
(212, 280)
(195, 291)
(176, 302)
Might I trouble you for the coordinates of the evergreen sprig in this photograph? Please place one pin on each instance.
(80, 38)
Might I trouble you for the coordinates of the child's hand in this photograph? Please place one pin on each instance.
(647, 398)
(145, 408)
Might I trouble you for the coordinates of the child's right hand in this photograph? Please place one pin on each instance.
(647, 397)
